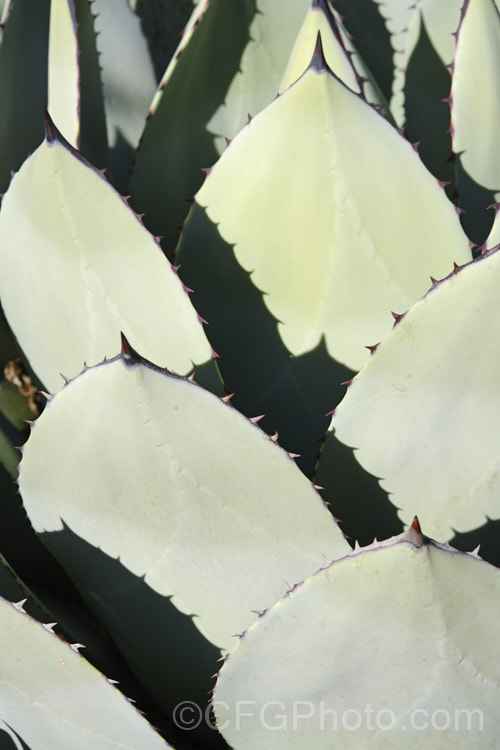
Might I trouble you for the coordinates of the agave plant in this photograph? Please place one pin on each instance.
(216, 216)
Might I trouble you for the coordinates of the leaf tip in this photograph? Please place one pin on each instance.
(51, 132)
(129, 355)
(414, 533)
(318, 61)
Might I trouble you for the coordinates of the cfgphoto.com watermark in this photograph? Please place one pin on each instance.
(276, 716)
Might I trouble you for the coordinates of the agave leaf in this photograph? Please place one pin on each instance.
(51, 696)
(163, 22)
(397, 16)
(228, 65)
(421, 414)
(427, 84)
(74, 624)
(14, 589)
(18, 542)
(293, 393)
(128, 79)
(441, 21)
(97, 271)
(475, 138)
(174, 149)
(93, 142)
(392, 641)
(189, 493)
(340, 54)
(349, 224)
(23, 82)
(364, 21)
(371, 89)
(64, 74)
(320, 19)
(272, 34)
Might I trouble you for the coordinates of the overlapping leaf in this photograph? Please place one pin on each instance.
(423, 413)
(391, 642)
(77, 266)
(128, 79)
(320, 19)
(333, 214)
(64, 74)
(50, 696)
(228, 65)
(475, 110)
(23, 82)
(179, 486)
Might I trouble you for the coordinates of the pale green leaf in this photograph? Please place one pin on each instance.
(128, 79)
(163, 23)
(272, 33)
(23, 82)
(181, 488)
(320, 20)
(228, 65)
(175, 145)
(365, 25)
(441, 21)
(388, 648)
(50, 696)
(423, 413)
(78, 267)
(63, 71)
(334, 215)
(475, 105)
(93, 142)
(397, 16)
(370, 87)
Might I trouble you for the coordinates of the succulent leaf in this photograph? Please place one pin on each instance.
(320, 20)
(44, 681)
(427, 82)
(441, 22)
(128, 80)
(64, 73)
(73, 622)
(93, 143)
(79, 267)
(422, 412)
(244, 49)
(475, 137)
(173, 150)
(204, 505)
(365, 24)
(294, 393)
(23, 82)
(393, 638)
(272, 34)
(163, 22)
(397, 16)
(349, 225)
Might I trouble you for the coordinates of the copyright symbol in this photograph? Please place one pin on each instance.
(187, 715)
